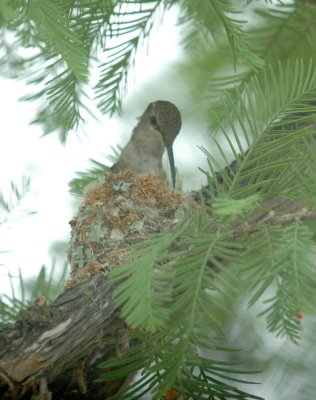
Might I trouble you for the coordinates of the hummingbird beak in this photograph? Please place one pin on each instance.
(171, 162)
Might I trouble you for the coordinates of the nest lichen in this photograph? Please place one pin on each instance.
(122, 210)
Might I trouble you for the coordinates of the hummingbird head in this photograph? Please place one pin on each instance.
(165, 118)
(156, 130)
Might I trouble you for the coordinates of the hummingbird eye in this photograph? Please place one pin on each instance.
(153, 120)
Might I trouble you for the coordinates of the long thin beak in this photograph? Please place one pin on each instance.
(171, 162)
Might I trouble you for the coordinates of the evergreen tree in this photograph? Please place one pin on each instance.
(250, 242)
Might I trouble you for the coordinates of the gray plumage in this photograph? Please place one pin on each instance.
(156, 130)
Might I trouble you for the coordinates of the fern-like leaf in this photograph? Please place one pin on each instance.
(291, 31)
(10, 203)
(282, 33)
(281, 257)
(65, 102)
(164, 366)
(53, 28)
(143, 292)
(277, 107)
(29, 291)
(216, 15)
(83, 179)
(131, 29)
(176, 299)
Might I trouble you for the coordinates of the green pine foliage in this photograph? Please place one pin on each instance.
(191, 377)
(287, 266)
(47, 285)
(84, 178)
(144, 293)
(94, 173)
(251, 66)
(290, 32)
(131, 25)
(276, 107)
(8, 204)
(211, 18)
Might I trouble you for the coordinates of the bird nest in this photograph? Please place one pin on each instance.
(122, 210)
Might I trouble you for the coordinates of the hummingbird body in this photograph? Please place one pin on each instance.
(156, 130)
(143, 153)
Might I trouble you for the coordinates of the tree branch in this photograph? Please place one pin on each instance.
(61, 345)
(54, 342)
(273, 211)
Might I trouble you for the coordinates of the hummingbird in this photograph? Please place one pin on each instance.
(156, 130)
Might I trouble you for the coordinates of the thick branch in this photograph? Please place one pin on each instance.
(59, 347)
(272, 219)
(63, 343)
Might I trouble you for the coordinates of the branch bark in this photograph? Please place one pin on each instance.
(63, 343)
